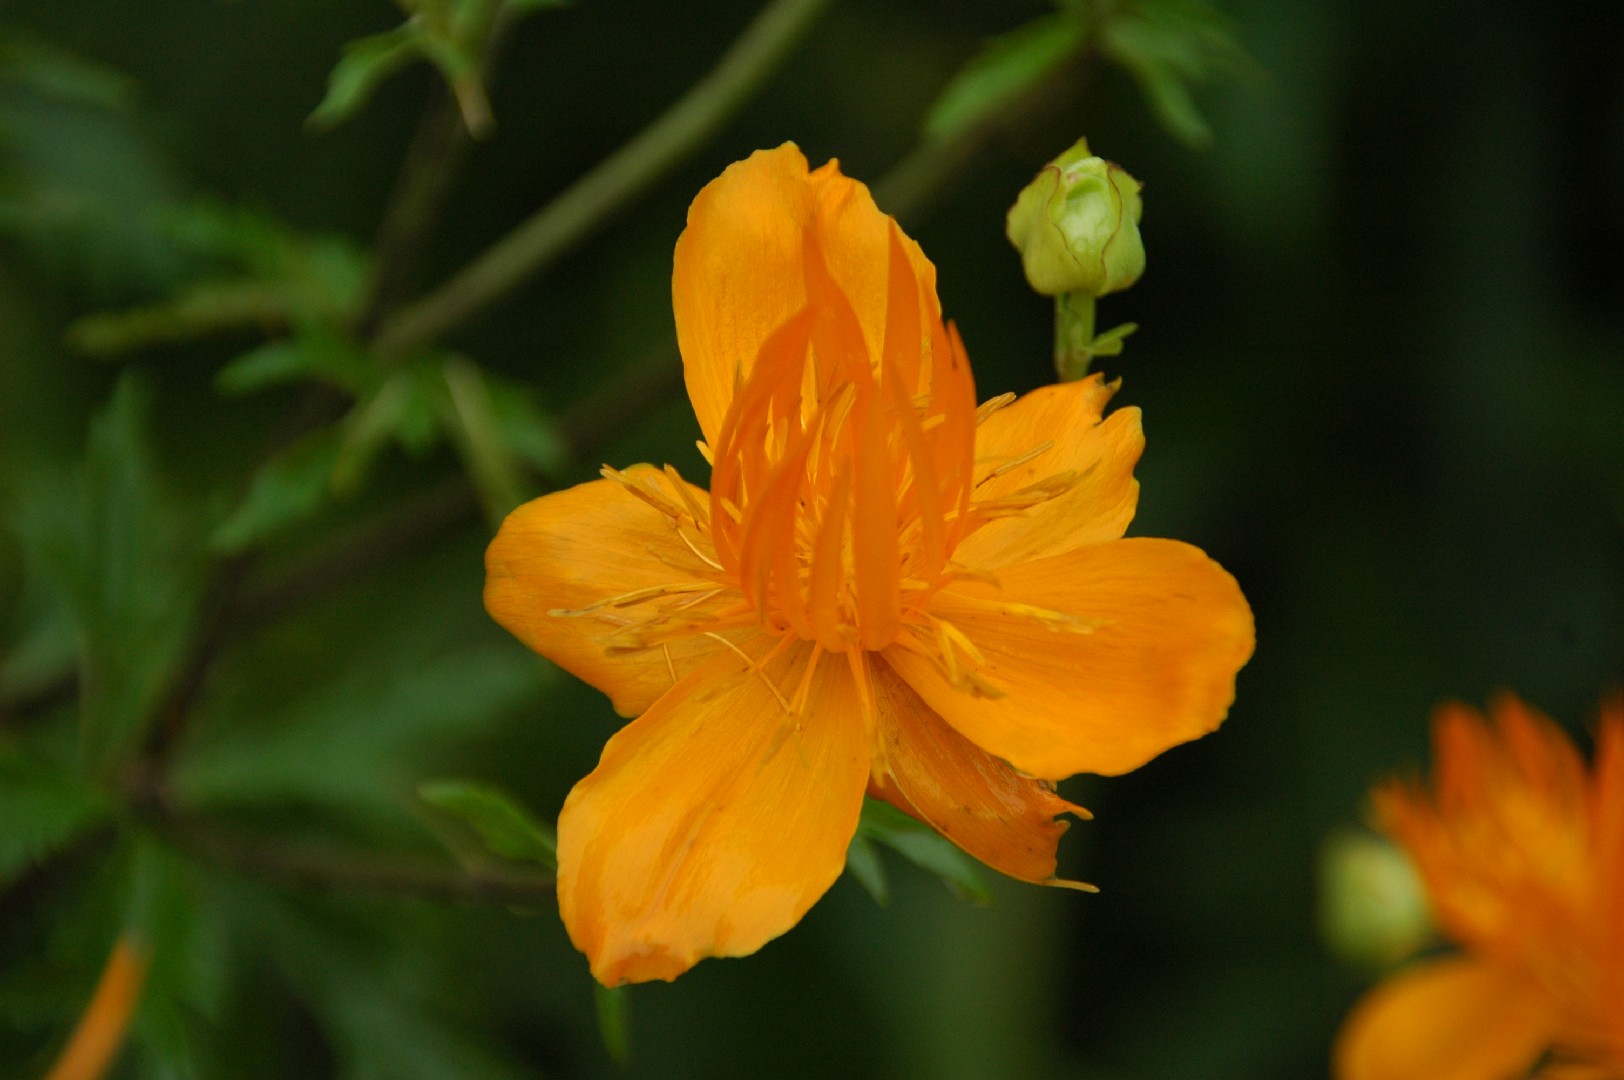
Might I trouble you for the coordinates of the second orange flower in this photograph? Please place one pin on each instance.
(886, 589)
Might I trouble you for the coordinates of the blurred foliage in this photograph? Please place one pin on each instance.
(241, 639)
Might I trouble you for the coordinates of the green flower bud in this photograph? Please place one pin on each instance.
(1076, 226)
(1372, 905)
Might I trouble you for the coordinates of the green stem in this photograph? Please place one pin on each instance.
(1073, 335)
(626, 173)
(346, 870)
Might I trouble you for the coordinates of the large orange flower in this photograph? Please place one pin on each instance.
(886, 588)
(1522, 855)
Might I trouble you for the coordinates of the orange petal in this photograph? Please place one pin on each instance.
(1456, 1018)
(1101, 454)
(975, 800)
(1102, 657)
(714, 821)
(739, 269)
(572, 549)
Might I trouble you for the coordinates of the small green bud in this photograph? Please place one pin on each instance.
(1076, 226)
(1372, 905)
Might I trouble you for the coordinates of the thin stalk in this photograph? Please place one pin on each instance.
(342, 870)
(619, 178)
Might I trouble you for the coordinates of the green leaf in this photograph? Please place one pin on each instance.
(1166, 45)
(288, 489)
(272, 364)
(311, 355)
(863, 863)
(373, 422)
(128, 562)
(46, 650)
(1009, 66)
(50, 71)
(354, 743)
(532, 435)
(1110, 342)
(614, 1021)
(42, 808)
(925, 848)
(364, 66)
(506, 827)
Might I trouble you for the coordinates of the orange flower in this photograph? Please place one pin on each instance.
(1522, 855)
(886, 588)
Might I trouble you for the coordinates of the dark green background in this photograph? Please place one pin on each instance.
(1382, 370)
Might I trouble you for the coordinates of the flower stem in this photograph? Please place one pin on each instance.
(626, 173)
(1073, 334)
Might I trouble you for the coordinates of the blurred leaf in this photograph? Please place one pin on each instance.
(199, 311)
(366, 63)
(450, 34)
(81, 178)
(1168, 44)
(479, 436)
(383, 415)
(45, 651)
(189, 979)
(329, 357)
(349, 744)
(264, 278)
(42, 808)
(924, 847)
(506, 827)
(863, 863)
(1009, 66)
(529, 432)
(381, 1008)
(614, 1020)
(128, 561)
(48, 70)
(289, 488)
(271, 364)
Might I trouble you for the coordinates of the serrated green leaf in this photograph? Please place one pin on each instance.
(288, 489)
(42, 808)
(506, 827)
(1009, 65)
(365, 64)
(614, 1021)
(864, 865)
(925, 848)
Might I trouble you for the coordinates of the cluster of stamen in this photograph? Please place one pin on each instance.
(841, 484)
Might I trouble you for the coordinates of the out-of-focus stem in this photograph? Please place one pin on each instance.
(619, 178)
(340, 870)
(94, 1044)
